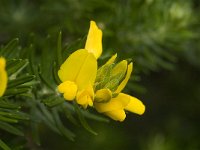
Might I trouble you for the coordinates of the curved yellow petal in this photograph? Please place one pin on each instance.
(103, 95)
(94, 40)
(69, 89)
(135, 106)
(80, 67)
(124, 82)
(85, 100)
(119, 102)
(118, 115)
(111, 60)
(85, 97)
(3, 76)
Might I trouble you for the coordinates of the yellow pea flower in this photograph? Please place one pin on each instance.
(94, 40)
(78, 75)
(79, 71)
(119, 102)
(3, 76)
(116, 107)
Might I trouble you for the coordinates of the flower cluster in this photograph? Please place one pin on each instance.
(100, 88)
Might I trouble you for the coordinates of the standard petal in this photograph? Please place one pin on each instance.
(135, 106)
(3, 76)
(119, 102)
(124, 82)
(69, 89)
(87, 72)
(118, 115)
(70, 68)
(80, 67)
(94, 40)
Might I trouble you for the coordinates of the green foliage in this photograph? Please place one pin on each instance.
(3, 145)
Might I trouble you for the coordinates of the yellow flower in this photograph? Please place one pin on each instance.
(116, 107)
(3, 76)
(94, 40)
(109, 99)
(79, 71)
(78, 74)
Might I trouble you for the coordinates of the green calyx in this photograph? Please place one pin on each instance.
(110, 75)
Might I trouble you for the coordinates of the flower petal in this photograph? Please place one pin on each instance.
(87, 73)
(3, 76)
(118, 115)
(135, 106)
(80, 67)
(119, 102)
(124, 82)
(94, 40)
(85, 97)
(69, 89)
(70, 68)
(85, 100)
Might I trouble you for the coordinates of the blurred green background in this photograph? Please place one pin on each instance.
(163, 39)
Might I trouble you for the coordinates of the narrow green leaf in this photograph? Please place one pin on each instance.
(17, 67)
(16, 91)
(9, 105)
(14, 114)
(7, 50)
(32, 67)
(47, 113)
(93, 116)
(4, 146)
(82, 119)
(11, 129)
(20, 80)
(55, 74)
(10, 120)
(53, 101)
(46, 116)
(69, 116)
(59, 50)
(44, 80)
(66, 132)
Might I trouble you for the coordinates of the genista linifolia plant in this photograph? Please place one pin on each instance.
(29, 99)
(66, 67)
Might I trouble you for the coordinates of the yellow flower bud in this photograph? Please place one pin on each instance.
(103, 95)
